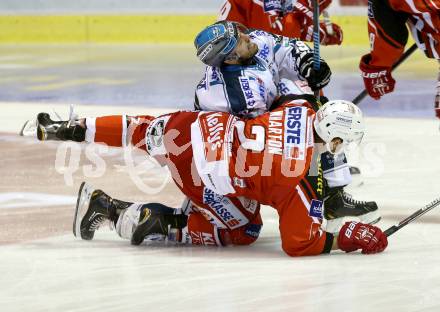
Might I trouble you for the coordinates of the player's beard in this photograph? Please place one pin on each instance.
(249, 59)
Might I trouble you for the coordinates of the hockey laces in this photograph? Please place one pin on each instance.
(73, 117)
(349, 198)
(96, 223)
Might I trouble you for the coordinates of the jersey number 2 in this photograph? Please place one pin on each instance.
(256, 144)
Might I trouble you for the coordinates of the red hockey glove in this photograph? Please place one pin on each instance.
(377, 80)
(306, 7)
(325, 38)
(330, 39)
(369, 238)
(304, 12)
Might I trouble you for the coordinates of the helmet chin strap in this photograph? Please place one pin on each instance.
(323, 147)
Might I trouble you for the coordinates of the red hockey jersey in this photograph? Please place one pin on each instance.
(388, 34)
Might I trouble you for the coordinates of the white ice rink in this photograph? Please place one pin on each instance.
(400, 162)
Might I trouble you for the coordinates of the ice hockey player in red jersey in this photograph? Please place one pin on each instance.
(246, 74)
(388, 33)
(288, 18)
(226, 166)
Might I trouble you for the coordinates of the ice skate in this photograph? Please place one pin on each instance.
(93, 207)
(62, 130)
(48, 129)
(155, 222)
(29, 128)
(339, 205)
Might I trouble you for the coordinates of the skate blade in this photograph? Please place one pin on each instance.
(333, 226)
(82, 204)
(29, 129)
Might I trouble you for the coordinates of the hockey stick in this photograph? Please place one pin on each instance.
(316, 41)
(412, 217)
(404, 56)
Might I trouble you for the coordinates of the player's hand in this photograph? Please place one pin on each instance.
(369, 238)
(305, 7)
(330, 39)
(325, 38)
(377, 80)
(317, 79)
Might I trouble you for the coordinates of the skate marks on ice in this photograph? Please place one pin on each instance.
(53, 271)
(109, 274)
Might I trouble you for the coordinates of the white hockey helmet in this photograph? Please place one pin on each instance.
(340, 119)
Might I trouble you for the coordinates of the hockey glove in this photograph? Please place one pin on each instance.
(330, 39)
(377, 80)
(317, 79)
(305, 7)
(325, 38)
(354, 235)
(303, 12)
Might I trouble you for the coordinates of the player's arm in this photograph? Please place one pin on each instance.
(234, 10)
(300, 220)
(295, 61)
(302, 234)
(300, 209)
(233, 91)
(300, 23)
(388, 35)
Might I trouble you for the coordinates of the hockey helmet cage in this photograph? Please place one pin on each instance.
(216, 42)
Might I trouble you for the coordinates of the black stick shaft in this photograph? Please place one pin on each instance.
(404, 56)
(412, 217)
(316, 41)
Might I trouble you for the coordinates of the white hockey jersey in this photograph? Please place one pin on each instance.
(249, 90)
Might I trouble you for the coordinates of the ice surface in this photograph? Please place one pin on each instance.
(44, 268)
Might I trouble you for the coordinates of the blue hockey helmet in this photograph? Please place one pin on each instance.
(216, 42)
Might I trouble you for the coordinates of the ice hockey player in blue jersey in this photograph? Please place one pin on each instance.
(260, 67)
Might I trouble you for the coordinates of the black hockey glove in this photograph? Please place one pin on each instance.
(317, 79)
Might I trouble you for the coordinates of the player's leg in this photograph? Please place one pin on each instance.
(153, 221)
(115, 130)
(197, 228)
(206, 227)
(94, 207)
(202, 232)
